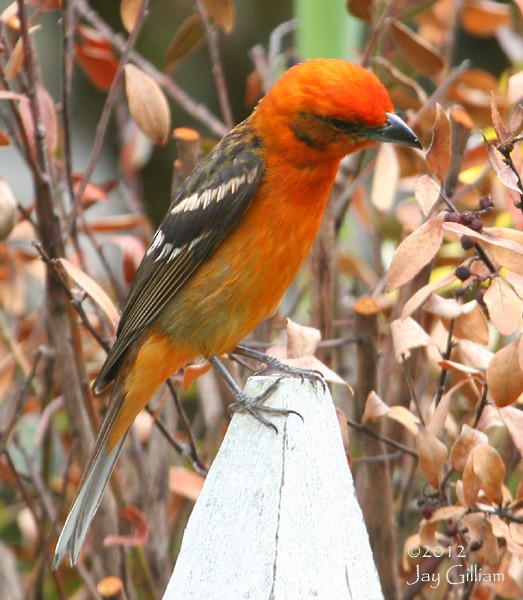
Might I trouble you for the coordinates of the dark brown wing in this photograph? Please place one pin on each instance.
(209, 205)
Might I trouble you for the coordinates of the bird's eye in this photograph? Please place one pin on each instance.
(341, 124)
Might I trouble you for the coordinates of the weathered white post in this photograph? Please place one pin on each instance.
(277, 518)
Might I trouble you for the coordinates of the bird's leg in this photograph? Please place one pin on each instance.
(253, 405)
(275, 364)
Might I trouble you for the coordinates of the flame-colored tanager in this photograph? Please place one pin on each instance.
(229, 247)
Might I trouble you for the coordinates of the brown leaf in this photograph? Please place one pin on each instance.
(415, 251)
(375, 408)
(420, 297)
(416, 50)
(474, 354)
(504, 306)
(129, 10)
(427, 193)
(471, 324)
(185, 483)
(438, 154)
(188, 38)
(147, 104)
(504, 375)
(361, 9)
(403, 416)
(407, 334)
(92, 289)
(467, 439)
(432, 456)
(94, 192)
(301, 340)
(470, 483)
(497, 121)
(512, 417)
(385, 179)
(222, 12)
(489, 470)
(482, 18)
(4, 138)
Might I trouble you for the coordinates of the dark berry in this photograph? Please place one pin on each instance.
(426, 511)
(452, 529)
(466, 217)
(480, 296)
(462, 272)
(466, 242)
(476, 545)
(476, 224)
(452, 217)
(486, 203)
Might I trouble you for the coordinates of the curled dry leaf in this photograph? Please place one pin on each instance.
(415, 251)
(504, 375)
(92, 289)
(385, 179)
(135, 517)
(438, 154)
(467, 439)
(375, 408)
(185, 483)
(406, 335)
(416, 50)
(147, 104)
(426, 192)
(504, 306)
(301, 340)
(486, 471)
(432, 455)
(403, 416)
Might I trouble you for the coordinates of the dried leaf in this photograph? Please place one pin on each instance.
(136, 518)
(9, 16)
(512, 417)
(467, 439)
(129, 10)
(185, 483)
(482, 18)
(489, 470)
(416, 50)
(386, 177)
(447, 308)
(46, 4)
(92, 289)
(375, 408)
(504, 375)
(147, 104)
(403, 416)
(114, 223)
(437, 421)
(427, 193)
(94, 192)
(438, 154)
(497, 121)
(475, 354)
(415, 251)
(301, 340)
(4, 138)
(222, 12)
(471, 325)
(99, 64)
(516, 281)
(344, 430)
(406, 335)
(188, 38)
(432, 455)
(504, 306)
(8, 212)
(418, 299)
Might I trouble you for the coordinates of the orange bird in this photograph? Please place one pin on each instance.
(234, 237)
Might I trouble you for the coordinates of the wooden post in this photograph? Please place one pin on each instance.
(277, 517)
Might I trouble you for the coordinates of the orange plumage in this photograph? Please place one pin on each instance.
(232, 242)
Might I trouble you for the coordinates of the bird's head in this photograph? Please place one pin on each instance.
(327, 108)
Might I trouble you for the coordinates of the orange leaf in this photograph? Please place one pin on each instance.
(222, 12)
(92, 289)
(417, 51)
(147, 104)
(129, 10)
(375, 408)
(415, 251)
(482, 18)
(403, 416)
(504, 306)
(185, 483)
(432, 455)
(438, 154)
(504, 375)
(46, 4)
(99, 64)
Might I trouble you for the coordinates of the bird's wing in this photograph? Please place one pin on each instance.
(208, 206)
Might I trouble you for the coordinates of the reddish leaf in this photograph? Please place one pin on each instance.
(133, 516)
(438, 154)
(415, 251)
(147, 104)
(504, 375)
(499, 126)
(9, 16)
(94, 192)
(110, 587)
(92, 38)
(99, 64)
(133, 250)
(301, 340)
(193, 371)
(46, 4)
(416, 50)
(48, 117)
(471, 324)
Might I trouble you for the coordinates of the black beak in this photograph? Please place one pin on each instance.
(395, 130)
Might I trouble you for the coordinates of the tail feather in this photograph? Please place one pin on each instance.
(86, 504)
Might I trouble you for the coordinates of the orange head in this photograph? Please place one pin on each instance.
(323, 109)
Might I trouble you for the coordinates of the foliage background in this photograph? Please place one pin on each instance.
(431, 347)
